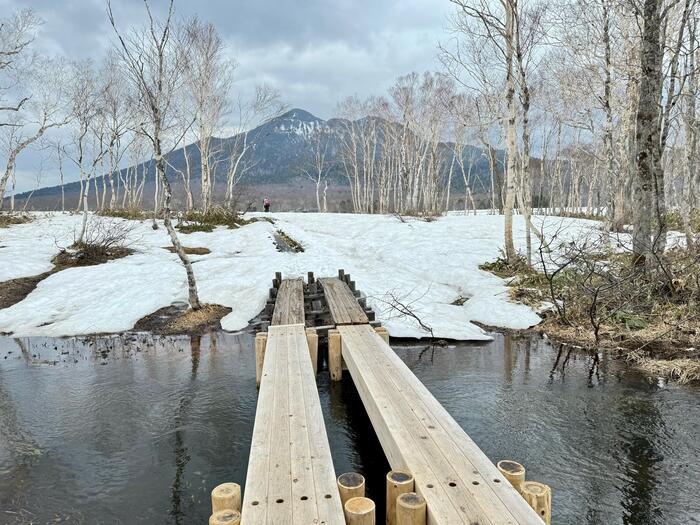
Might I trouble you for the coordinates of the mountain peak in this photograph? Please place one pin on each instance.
(299, 114)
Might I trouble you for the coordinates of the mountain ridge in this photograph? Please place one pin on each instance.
(279, 150)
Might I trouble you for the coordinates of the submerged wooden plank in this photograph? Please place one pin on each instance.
(342, 303)
(289, 305)
(291, 479)
(458, 481)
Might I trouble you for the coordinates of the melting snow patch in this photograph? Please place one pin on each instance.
(423, 264)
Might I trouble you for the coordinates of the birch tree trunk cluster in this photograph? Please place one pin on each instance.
(394, 150)
(603, 92)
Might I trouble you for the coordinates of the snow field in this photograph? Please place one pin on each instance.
(427, 265)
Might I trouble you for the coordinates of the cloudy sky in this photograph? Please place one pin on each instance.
(315, 52)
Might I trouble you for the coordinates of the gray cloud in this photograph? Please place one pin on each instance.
(315, 52)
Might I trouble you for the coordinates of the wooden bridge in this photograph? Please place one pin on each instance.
(291, 479)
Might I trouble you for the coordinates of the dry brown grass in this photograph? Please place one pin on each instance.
(172, 320)
(682, 370)
(10, 219)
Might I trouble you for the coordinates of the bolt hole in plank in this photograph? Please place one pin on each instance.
(290, 459)
(383, 379)
(328, 496)
(452, 484)
(255, 503)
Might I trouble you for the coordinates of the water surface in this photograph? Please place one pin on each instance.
(138, 429)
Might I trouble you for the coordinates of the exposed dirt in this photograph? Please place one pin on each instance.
(179, 319)
(15, 290)
(190, 251)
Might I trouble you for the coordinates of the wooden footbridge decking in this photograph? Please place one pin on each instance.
(458, 482)
(291, 479)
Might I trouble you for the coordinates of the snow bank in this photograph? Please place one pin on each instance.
(427, 265)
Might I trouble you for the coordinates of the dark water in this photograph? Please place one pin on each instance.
(109, 430)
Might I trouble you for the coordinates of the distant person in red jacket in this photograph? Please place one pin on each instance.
(266, 203)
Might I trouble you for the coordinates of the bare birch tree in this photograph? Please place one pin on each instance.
(155, 65)
(208, 77)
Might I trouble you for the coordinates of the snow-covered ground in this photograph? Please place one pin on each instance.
(425, 264)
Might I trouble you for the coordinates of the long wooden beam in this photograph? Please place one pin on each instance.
(456, 479)
(291, 479)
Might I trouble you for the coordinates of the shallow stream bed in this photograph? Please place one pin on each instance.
(138, 429)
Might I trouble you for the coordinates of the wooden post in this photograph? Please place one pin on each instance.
(383, 333)
(360, 511)
(312, 340)
(514, 472)
(351, 485)
(225, 517)
(278, 279)
(335, 358)
(226, 496)
(260, 344)
(411, 509)
(341, 275)
(539, 497)
(397, 483)
(310, 278)
(351, 285)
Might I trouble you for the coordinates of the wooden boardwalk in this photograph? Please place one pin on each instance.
(289, 305)
(342, 304)
(290, 478)
(457, 480)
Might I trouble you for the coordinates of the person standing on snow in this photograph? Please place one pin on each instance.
(266, 203)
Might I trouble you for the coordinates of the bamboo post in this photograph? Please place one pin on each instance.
(335, 358)
(383, 333)
(351, 485)
(225, 517)
(397, 483)
(539, 497)
(411, 509)
(260, 344)
(360, 511)
(226, 496)
(312, 341)
(514, 472)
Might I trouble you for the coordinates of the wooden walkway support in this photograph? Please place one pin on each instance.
(342, 303)
(458, 482)
(290, 478)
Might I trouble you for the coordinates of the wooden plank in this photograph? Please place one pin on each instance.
(342, 304)
(291, 479)
(289, 305)
(455, 477)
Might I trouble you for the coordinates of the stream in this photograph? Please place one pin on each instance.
(138, 429)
